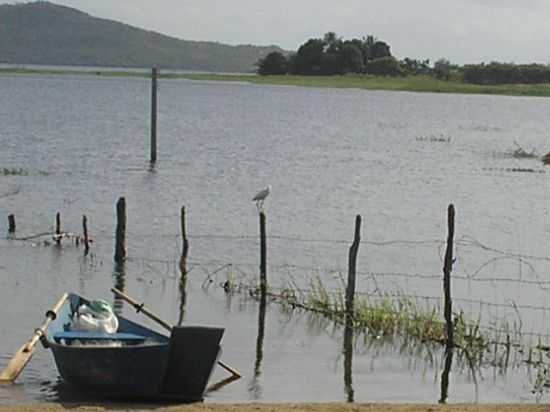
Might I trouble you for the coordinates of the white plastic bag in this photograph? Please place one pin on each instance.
(98, 316)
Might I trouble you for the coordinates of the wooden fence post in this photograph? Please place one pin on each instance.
(185, 245)
(86, 239)
(448, 306)
(154, 83)
(120, 248)
(11, 223)
(447, 268)
(58, 228)
(263, 254)
(352, 267)
(349, 315)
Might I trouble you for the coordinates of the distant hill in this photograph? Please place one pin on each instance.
(46, 33)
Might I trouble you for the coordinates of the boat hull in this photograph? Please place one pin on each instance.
(128, 372)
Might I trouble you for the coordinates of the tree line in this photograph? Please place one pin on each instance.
(332, 55)
(506, 73)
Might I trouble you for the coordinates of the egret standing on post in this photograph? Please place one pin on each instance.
(260, 197)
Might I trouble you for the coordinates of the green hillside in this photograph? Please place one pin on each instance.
(45, 33)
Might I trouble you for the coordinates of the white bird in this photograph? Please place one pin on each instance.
(260, 197)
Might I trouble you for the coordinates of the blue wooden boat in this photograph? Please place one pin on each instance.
(135, 362)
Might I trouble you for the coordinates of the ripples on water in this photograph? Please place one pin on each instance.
(328, 155)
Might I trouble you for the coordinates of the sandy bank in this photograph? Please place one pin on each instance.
(302, 407)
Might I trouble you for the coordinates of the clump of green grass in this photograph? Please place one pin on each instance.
(382, 316)
(520, 153)
(442, 138)
(6, 171)
(389, 317)
(383, 319)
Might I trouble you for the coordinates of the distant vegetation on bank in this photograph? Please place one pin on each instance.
(42, 33)
(332, 55)
(48, 34)
(418, 83)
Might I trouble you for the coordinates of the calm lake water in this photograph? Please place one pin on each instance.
(398, 159)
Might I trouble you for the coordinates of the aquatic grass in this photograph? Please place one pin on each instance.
(320, 300)
(442, 138)
(6, 171)
(417, 331)
(378, 316)
(520, 153)
(19, 171)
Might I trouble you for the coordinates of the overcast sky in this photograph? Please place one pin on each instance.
(464, 31)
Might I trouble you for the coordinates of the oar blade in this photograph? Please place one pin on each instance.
(16, 364)
(24, 354)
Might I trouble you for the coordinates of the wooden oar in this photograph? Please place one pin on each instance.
(24, 354)
(140, 307)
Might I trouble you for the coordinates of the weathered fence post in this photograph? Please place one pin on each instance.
(263, 254)
(185, 245)
(11, 223)
(154, 83)
(448, 306)
(58, 228)
(85, 232)
(120, 248)
(352, 268)
(447, 268)
(349, 315)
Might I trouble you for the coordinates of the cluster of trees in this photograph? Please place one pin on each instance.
(506, 73)
(332, 55)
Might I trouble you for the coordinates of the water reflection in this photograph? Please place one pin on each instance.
(348, 361)
(255, 387)
(445, 374)
(120, 284)
(183, 299)
(64, 392)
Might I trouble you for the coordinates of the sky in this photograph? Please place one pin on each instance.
(463, 31)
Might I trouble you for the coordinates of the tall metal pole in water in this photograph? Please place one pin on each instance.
(154, 76)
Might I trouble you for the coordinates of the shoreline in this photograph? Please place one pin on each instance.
(274, 407)
(417, 84)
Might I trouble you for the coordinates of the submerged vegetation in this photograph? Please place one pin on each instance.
(442, 138)
(520, 153)
(419, 331)
(383, 317)
(19, 171)
(5, 171)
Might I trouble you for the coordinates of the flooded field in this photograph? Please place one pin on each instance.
(74, 145)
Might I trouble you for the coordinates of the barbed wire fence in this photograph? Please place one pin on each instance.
(378, 280)
(505, 292)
